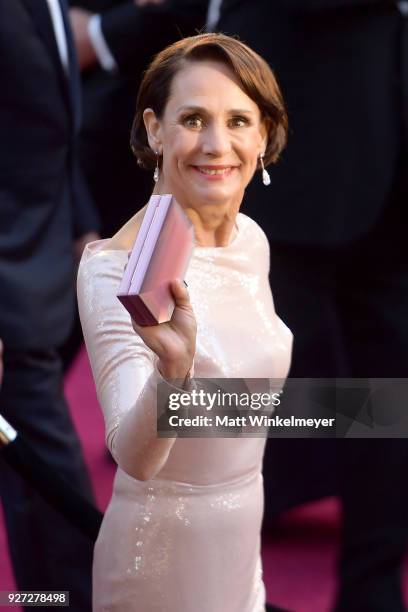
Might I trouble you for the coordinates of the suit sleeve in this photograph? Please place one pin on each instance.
(130, 31)
(84, 214)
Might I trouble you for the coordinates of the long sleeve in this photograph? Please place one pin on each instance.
(123, 368)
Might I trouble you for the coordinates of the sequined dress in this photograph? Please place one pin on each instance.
(188, 539)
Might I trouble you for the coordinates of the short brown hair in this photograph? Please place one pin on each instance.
(253, 73)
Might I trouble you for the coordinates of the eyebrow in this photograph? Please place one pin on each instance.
(201, 109)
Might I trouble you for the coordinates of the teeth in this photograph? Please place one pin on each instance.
(207, 171)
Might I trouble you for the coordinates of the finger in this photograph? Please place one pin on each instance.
(139, 329)
(180, 293)
(135, 326)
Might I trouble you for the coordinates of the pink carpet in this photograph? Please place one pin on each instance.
(299, 558)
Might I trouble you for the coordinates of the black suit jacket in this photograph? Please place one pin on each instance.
(342, 66)
(44, 203)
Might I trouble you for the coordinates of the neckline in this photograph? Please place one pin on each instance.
(197, 247)
(232, 243)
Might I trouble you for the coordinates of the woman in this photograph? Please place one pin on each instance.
(182, 531)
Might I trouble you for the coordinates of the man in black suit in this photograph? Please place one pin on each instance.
(336, 217)
(44, 208)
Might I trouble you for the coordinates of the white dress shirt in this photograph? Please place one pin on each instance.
(102, 51)
(213, 15)
(59, 31)
(403, 7)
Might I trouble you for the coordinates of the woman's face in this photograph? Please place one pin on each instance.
(210, 136)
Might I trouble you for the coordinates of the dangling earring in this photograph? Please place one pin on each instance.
(266, 179)
(156, 173)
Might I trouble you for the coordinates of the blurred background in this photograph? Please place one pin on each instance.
(336, 511)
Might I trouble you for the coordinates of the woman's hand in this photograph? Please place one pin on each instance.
(173, 342)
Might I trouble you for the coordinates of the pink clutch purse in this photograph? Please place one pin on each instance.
(161, 253)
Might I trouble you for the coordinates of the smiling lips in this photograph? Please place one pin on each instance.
(215, 171)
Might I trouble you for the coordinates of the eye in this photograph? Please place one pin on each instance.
(193, 121)
(239, 121)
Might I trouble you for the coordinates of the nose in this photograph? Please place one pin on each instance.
(216, 140)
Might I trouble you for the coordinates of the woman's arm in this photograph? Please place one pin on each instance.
(126, 370)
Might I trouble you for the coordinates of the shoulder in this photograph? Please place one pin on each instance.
(99, 275)
(250, 226)
(105, 260)
(101, 259)
(253, 237)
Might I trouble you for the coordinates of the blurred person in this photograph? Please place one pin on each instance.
(182, 531)
(46, 217)
(336, 220)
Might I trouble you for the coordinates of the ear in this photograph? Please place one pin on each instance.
(153, 129)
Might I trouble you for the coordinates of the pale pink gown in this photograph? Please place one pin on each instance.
(188, 539)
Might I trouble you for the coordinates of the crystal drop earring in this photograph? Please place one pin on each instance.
(156, 173)
(266, 179)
